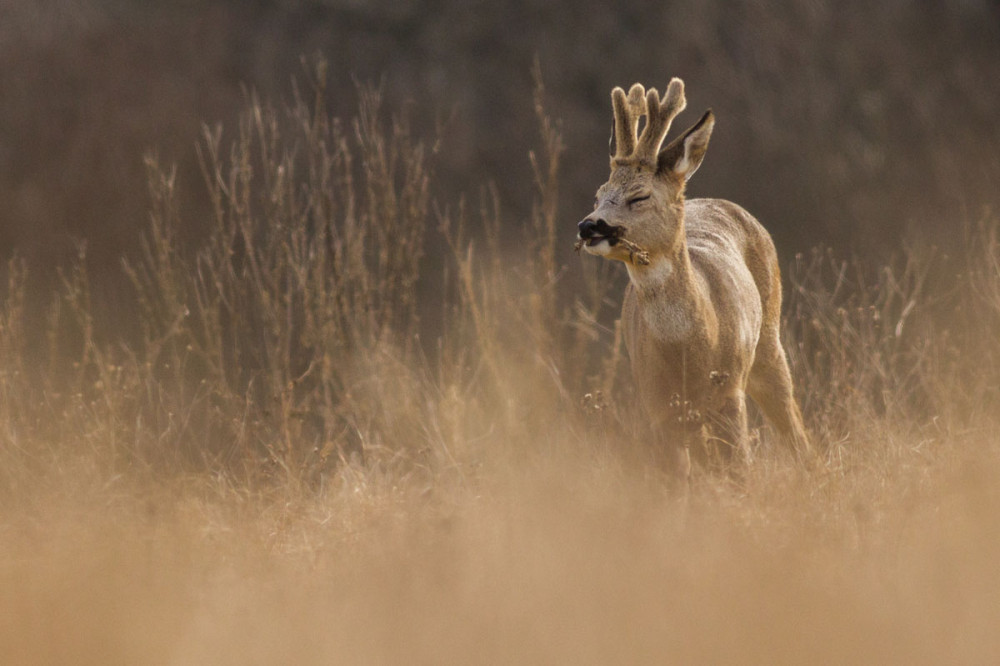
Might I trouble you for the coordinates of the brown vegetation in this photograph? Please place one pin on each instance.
(844, 121)
(294, 465)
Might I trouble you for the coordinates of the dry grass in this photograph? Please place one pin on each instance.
(292, 466)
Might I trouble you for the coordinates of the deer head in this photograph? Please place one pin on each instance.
(641, 206)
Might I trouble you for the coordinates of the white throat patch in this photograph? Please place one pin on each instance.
(652, 277)
(669, 319)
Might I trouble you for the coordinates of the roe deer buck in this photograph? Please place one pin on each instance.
(702, 309)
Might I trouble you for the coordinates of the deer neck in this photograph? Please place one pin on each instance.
(672, 301)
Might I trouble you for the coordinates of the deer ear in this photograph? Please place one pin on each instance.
(683, 155)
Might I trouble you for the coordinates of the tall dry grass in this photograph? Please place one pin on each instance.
(294, 464)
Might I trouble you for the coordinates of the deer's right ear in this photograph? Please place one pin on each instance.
(683, 155)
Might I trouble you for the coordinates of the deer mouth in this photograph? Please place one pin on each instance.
(611, 240)
(596, 232)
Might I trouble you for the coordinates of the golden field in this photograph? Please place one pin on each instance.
(345, 426)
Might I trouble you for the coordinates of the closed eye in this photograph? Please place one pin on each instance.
(635, 200)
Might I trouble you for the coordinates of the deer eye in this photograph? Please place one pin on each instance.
(635, 200)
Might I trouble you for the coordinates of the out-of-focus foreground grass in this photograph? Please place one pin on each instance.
(322, 447)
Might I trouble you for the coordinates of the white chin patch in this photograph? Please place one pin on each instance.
(601, 248)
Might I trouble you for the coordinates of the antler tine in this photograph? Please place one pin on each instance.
(661, 114)
(628, 109)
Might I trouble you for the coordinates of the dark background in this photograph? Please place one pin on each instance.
(845, 122)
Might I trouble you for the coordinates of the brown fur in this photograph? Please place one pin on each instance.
(702, 315)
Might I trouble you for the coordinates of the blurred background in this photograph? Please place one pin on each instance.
(850, 122)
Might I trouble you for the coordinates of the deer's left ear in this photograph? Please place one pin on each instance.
(683, 155)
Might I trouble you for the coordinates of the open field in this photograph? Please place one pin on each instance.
(319, 441)
(561, 555)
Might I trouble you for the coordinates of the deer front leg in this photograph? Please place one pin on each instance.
(729, 439)
(680, 432)
(675, 443)
(669, 445)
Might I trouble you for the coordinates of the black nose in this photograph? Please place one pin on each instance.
(590, 228)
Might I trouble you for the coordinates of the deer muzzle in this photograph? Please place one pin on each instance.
(593, 231)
